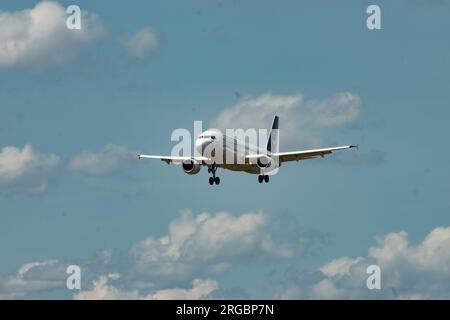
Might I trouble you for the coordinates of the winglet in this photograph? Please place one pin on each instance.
(354, 146)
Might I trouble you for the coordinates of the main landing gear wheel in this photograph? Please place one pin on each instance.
(262, 178)
(213, 179)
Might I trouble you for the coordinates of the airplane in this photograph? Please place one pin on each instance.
(214, 147)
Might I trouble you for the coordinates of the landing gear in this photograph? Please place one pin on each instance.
(213, 179)
(262, 178)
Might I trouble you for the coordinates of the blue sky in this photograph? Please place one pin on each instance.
(208, 57)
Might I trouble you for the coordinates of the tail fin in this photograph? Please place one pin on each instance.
(273, 141)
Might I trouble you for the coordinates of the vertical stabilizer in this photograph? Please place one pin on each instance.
(273, 140)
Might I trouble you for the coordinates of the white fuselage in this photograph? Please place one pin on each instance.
(228, 152)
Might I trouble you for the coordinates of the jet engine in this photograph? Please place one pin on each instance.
(264, 161)
(191, 166)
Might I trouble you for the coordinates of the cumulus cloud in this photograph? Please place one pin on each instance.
(39, 38)
(27, 168)
(142, 43)
(302, 120)
(108, 160)
(103, 290)
(179, 265)
(195, 243)
(33, 277)
(39, 278)
(207, 244)
(408, 271)
(201, 289)
(340, 266)
(32, 171)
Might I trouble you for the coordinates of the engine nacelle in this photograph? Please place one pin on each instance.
(264, 161)
(191, 166)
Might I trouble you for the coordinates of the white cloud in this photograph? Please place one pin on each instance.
(432, 256)
(340, 266)
(33, 277)
(207, 243)
(407, 271)
(39, 38)
(142, 43)
(175, 266)
(326, 289)
(103, 290)
(201, 289)
(27, 168)
(301, 120)
(30, 170)
(109, 160)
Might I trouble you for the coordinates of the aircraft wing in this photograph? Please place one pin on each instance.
(170, 159)
(308, 154)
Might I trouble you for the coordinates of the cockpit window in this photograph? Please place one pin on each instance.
(213, 137)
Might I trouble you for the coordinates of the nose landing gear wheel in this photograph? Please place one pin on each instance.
(217, 180)
(211, 180)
